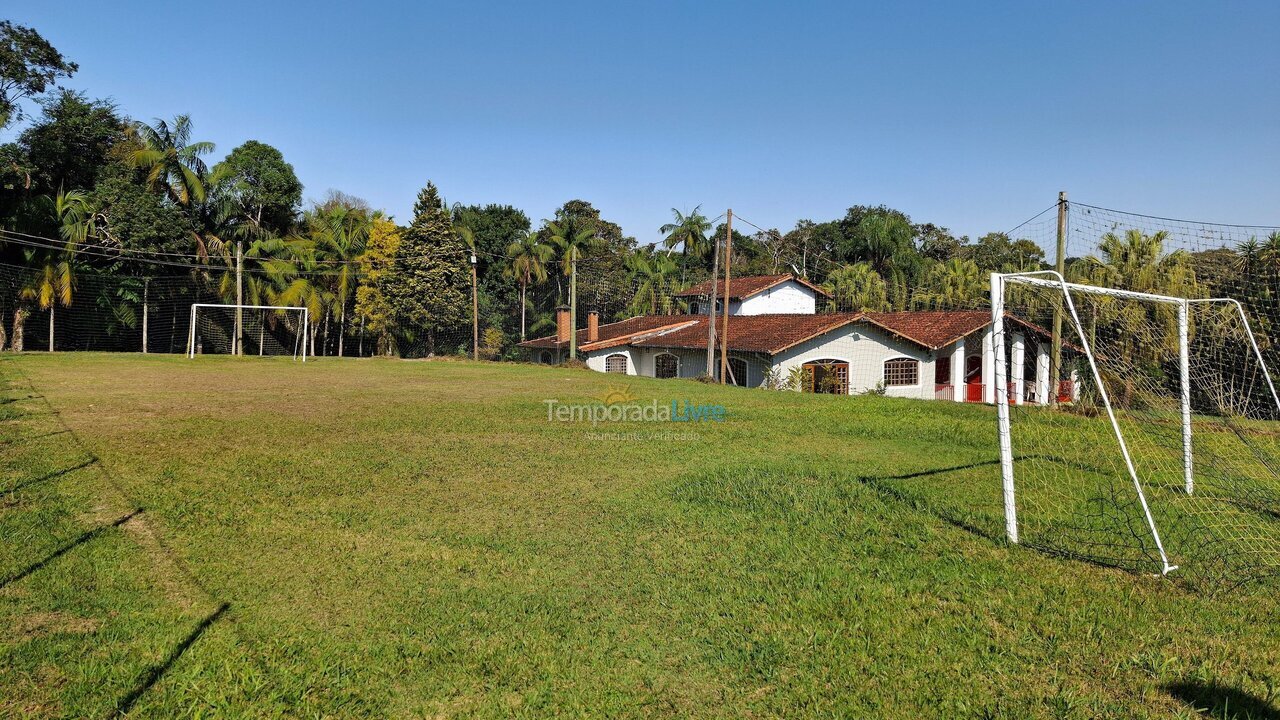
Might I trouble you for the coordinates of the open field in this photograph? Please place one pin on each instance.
(262, 538)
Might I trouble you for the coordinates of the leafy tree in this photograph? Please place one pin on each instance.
(428, 287)
(572, 239)
(858, 287)
(171, 160)
(377, 263)
(131, 217)
(53, 281)
(996, 252)
(528, 259)
(956, 283)
(1137, 261)
(71, 142)
(937, 243)
(255, 187)
(653, 276)
(688, 232)
(29, 65)
(494, 228)
(339, 232)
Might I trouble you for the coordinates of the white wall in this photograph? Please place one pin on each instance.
(789, 297)
(865, 349)
(595, 359)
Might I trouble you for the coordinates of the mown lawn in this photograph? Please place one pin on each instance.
(369, 538)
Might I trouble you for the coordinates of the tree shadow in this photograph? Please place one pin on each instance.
(1219, 701)
(49, 476)
(86, 537)
(158, 670)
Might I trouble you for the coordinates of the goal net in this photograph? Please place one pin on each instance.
(248, 330)
(1137, 430)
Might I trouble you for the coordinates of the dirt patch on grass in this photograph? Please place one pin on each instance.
(168, 575)
(29, 627)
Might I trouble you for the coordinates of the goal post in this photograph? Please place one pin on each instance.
(1166, 391)
(301, 333)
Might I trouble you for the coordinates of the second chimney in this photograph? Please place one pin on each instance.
(593, 326)
(562, 323)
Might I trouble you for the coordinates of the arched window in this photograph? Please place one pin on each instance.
(616, 363)
(547, 358)
(900, 372)
(666, 366)
(827, 376)
(737, 372)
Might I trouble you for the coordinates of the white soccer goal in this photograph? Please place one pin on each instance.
(249, 330)
(1163, 449)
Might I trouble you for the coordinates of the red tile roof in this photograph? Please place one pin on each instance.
(745, 287)
(753, 333)
(932, 329)
(771, 334)
(621, 330)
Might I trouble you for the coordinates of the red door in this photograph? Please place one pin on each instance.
(973, 378)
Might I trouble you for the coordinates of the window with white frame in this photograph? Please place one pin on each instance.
(666, 366)
(616, 364)
(901, 371)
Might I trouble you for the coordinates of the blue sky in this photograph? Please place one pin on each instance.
(969, 115)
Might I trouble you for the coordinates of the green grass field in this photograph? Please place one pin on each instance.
(366, 538)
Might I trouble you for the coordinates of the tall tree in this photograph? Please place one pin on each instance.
(339, 232)
(688, 232)
(572, 239)
(428, 284)
(377, 263)
(652, 274)
(857, 287)
(71, 142)
(171, 160)
(29, 65)
(528, 259)
(255, 187)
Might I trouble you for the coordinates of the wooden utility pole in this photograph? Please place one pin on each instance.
(724, 330)
(573, 302)
(238, 341)
(1055, 353)
(146, 286)
(475, 312)
(711, 308)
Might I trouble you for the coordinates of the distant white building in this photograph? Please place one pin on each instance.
(775, 331)
(759, 295)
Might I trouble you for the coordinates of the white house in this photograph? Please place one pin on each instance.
(920, 354)
(758, 295)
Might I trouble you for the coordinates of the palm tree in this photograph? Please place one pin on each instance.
(53, 283)
(689, 232)
(858, 287)
(339, 234)
(953, 284)
(651, 275)
(529, 260)
(572, 242)
(171, 160)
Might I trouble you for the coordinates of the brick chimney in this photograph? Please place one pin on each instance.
(593, 326)
(562, 323)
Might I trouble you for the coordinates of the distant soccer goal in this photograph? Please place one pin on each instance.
(1152, 442)
(249, 330)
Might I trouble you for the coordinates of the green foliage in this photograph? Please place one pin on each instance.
(255, 186)
(376, 264)
(956, 283)
(429, 286)
(29, 66)
(996, 252)
(171, 160)
(71, 142)
(137, 219)
(858, 287)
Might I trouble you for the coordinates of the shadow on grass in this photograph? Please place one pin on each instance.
(984, 526)
(1219, 701)
(158, 670)
(50, 476)
(86, 537)
(29, 438)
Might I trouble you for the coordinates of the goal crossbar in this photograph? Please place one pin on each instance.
(303, 335)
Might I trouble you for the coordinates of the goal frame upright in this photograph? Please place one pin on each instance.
(1052, 279)
(305, 331)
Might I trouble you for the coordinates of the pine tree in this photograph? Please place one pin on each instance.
(429, 286)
